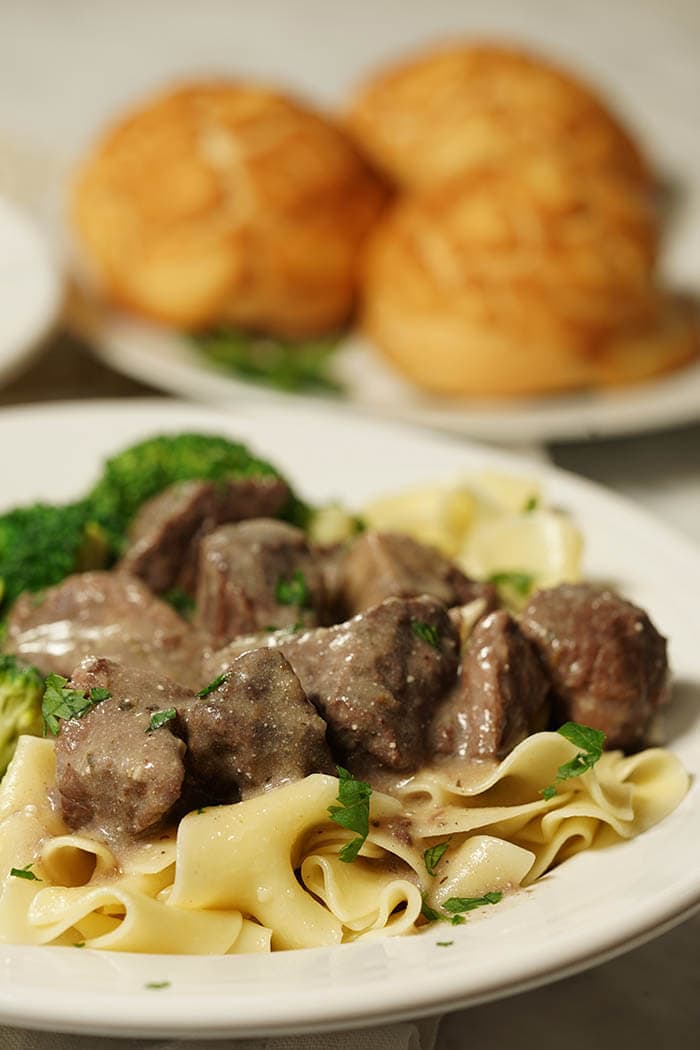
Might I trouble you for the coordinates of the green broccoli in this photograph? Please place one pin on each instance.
(21, 693)
(42, 544)
(143, 470)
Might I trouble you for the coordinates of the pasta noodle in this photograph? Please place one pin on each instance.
(266, 873)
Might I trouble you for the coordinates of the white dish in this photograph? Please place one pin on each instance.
(165, 359)
(592, 907)
(30, 290)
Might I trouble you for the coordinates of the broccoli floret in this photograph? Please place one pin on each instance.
(42, 544)
(21, 693)
(143, 470)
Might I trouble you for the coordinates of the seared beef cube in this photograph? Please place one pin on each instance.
(500, 696)
(606, 660)
(165, 535)
(102, 614)
(162, 548)
(255, 731)
(257, 575)
(377, 678)
(383, 565)
(114, 774)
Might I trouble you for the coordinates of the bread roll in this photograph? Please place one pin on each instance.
(522, 281)
(225, 202)
(454, 109)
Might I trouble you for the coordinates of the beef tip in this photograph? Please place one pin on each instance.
(115, 776)
(376, 679)
(255, 731)
(382, 565)
(102, 614)
(606, 660)
(500, 695)
(256, 575)
(165, 535)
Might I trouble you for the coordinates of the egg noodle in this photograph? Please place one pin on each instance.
(266, 873)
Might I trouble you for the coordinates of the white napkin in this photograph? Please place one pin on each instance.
(418, 1035)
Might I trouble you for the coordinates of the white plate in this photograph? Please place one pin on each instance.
(30, 290)
(594, 906)
(165, 359)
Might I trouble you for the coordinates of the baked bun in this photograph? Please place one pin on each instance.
(522, 281)
(452, 110)
(224, 202)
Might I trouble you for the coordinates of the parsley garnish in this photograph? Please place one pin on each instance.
(455, 906)
(181, 601)
(433, 855)
(282, 363)
(157, 984)
(590, 741)
(62, 703)
(444, 944)
(160, 718)
(79, 944)
(294, 591)
(25, 873)
(219, 680)
(426, 632)
(521, 582)
(531, 504)
(352, 813)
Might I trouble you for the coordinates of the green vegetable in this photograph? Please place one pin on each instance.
(444, 944)
(591, 742)
(219, 680)
(294, 591)
(161, 718)
(25, 873)
(157, 984)
(297, 366)
(142, 471)
(21, 690)
(454, 907)
(182, 602)
(426, 632)
(352, 813)
(42, 544)
(62, 703)
(531, 504)
(520, 582)
(433, 855)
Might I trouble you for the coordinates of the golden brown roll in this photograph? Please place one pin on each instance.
(228, 202)
(522, 281)
(451, 110)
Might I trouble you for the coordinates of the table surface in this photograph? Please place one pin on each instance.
(649, 996)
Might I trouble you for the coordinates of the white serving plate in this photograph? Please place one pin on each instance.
(594, 906)
(30, 289)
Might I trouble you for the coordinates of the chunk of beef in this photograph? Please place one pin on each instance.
(606, 660)
(165, 535)
(255, 731)
(115, 776)
(259, 574)
(102, 614)
(377, 678)
(382, 565)
(500, 696)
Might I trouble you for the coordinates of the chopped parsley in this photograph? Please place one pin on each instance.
(352, 813)
(25, 873)
(433, 855)
(444, 944)
(157, 984)
(181, 601)
(160, 718)
(531, 504)
(520, 582)
(426, 632)
(219, 680)
(60, 702)
(590, 741)
(79, 944)
(293, 591)
(453, 909)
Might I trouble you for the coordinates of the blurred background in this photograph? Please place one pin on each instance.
(69, 68)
